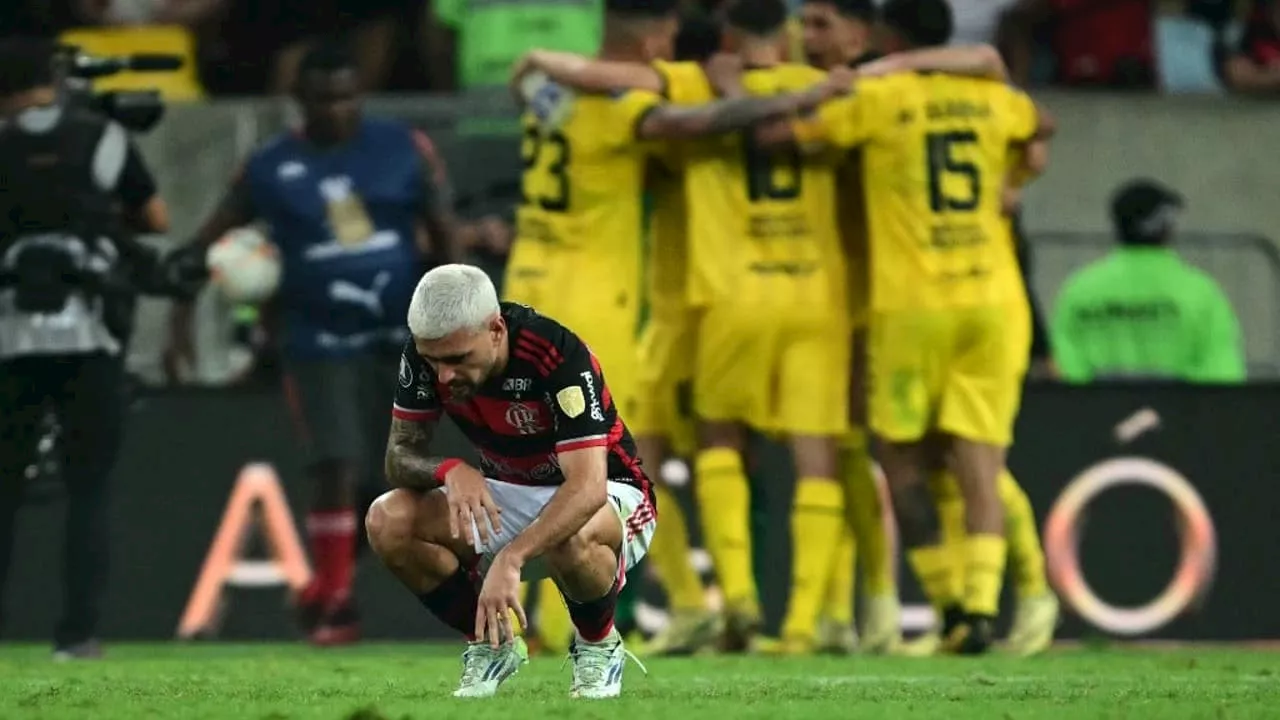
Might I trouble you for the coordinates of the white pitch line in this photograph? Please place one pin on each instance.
(869, 679)
(984, 679)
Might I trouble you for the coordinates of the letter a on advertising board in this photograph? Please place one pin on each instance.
(257, 495)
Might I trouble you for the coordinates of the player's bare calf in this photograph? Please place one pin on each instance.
(589, 569)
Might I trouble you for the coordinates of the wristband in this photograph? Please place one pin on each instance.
(443, 468)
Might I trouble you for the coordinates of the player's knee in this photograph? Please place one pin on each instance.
(571, 553)
(915, 513)
(600, 537)
(814, 455)
(389, 523)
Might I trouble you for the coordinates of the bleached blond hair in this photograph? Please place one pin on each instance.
(451, 298)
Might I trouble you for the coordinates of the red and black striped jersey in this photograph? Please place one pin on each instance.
(551, 398)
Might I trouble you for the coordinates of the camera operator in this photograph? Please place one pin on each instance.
(73, 190)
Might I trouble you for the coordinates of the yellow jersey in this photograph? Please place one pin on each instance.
(762, 223)
(669, 220)
(665, 267)
(581, 197)
(935, 152)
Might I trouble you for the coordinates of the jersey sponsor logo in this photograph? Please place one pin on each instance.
(555, 417)
(497, 467)
(348, 218)
(538, 468)
(597, 413)
(406, 374)
(547, 470)
(370, 298)
(523, 418)
(517, 385)
(571, 400)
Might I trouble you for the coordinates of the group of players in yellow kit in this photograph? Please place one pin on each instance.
(814, 265)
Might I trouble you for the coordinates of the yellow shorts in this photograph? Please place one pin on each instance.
(776, 374)
(664, 374)
(948, 370)
(1019, 334)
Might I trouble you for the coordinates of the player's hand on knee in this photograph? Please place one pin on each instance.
(499, 598)
(473, 514)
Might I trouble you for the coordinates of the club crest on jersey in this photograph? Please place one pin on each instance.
(523, 418)
(406, 374)
(572, 401)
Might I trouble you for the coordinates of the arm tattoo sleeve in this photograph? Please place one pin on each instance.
(726, 115)
(739, 112)
(409, 462)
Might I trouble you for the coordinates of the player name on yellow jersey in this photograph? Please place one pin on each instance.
(762, 222)
(935, 152)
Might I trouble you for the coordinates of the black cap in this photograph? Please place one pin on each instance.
(1143, 211)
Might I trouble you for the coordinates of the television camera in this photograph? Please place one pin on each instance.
(137, 110)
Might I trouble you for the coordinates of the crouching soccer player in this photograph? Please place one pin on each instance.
(559, 492)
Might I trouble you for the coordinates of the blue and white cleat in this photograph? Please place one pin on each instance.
(484, 669)
(597, 667)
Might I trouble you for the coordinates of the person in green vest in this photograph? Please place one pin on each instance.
(474, 43)
(1142, 311)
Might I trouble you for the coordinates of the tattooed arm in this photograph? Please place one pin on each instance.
(409, 462)
(671, 121)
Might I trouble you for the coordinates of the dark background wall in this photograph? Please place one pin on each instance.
(184, 451)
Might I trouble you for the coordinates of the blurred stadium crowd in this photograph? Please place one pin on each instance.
(249, 47)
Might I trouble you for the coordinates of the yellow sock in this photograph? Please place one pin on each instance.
(936, 570)
(669, 552)
(1026, 556)
(984, 573)
(865, 515)
(555, 628)
(724, 506)
(838, 605)
(946, 497)
(817, 520)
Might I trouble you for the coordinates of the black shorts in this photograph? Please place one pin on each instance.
(342, 406)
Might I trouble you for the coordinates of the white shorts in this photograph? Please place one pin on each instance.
(522, 504)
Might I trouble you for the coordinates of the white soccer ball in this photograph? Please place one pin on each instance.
(245, 266)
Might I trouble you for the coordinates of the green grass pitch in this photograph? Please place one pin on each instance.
(278, 682)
